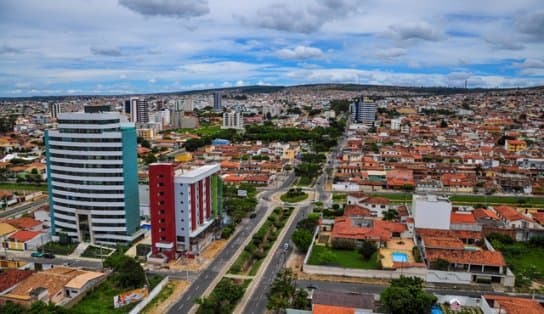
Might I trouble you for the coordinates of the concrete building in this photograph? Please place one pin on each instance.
(217, 101)
(55, 109)
(93, 177)
(431, 211)
(184, 206)
(363, 111)
(139, 110)
(233, 120)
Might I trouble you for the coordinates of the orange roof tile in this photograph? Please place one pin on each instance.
(509, 213)
(467, 257)
(462, 218)
(449, 243)
(513, 305)
(461, 234)
(23, 236)
(354, 210)
(24, 222)
(484, 213)
(331, 309)
(10, 277)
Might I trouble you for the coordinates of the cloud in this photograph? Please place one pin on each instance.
(107, 52)
(168, 8)
(414, 31)
(10, 50)
(530, 67)
(152, 80)
(532, 25)
(390, 53)
(308, 19)
(504, 42)
(300, 53)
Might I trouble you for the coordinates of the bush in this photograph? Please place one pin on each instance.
(302, 239)
(227, 231)
(503, 238)
(59, 248)
(368, 249)
(343, 244)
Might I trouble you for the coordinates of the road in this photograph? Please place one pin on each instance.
(23, 208)
(58, 260)
(207, 276)
(257, 302)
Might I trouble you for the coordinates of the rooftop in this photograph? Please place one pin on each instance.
(513, 305)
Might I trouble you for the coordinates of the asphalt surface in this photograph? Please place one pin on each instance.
(58, 260)
(257, 302)
(23, 208)
(206, 277)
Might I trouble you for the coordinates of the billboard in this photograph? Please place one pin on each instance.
(128, 297)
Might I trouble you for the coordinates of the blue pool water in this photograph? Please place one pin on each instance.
(399, 257)
(436, 310)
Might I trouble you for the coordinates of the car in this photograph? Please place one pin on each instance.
(253, 215)
(48, 255)
(37, 254)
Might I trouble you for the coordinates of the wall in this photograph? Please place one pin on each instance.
(448, 277)
(140, 306)
(364, 273)
(348, 187)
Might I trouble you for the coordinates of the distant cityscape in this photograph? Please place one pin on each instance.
(304, 199)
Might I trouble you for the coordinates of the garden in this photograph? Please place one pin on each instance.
(294, 195)
(96, 252)
(523, 258)
(249, 261)
(58, 248)
(346, 258)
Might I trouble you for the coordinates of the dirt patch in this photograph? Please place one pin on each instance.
(162, 307)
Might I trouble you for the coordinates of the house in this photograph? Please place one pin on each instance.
(26, 223)
(487, 217)
(27, 240)
(377, 205)
(7, 198)
(500, 304)
(464, 221)
(400, 179)
(359, 229)
(356, 211)
(81, 283)
(5, 230)
(514, 219)
(329, 302)
(457, 183)
(48, 286)
(514, 146)
(9, 278)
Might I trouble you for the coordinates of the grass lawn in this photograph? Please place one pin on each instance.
(100, 300)
(23, 187)
(304, 181)
(293, 199)
(58, 249)
(96, 252)
(255, 267)
(203, 130)
(339, 198)
(343, 258)
(524, 260)
(163, 295)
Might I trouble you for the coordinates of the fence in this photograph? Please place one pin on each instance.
(140, 306)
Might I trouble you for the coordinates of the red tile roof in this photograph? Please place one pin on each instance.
(377, 230)
(487, 258)
(509, 213)
(23, 236)
(331, 309)
(513, 305)
(480, 213)
(462, 218)
(24, 222)
(461, 234)
(446, 243)
(355, 210)
(375, 200)
(10, 277)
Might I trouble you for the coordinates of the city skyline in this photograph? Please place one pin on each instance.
(125, 47)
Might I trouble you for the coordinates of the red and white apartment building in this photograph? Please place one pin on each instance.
(181, 208)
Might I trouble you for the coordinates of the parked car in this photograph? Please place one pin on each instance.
(37, 254)
(48, 255)
(253, 215)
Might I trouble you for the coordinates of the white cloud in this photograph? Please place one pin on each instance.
(300, 53)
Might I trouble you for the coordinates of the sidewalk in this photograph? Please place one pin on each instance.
(179, 287)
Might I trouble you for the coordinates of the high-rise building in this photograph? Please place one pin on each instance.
(233, 120)
(363, 111)
(93, 177)
(184, 205)
(55, 109)
(217, 101)
(139, 110)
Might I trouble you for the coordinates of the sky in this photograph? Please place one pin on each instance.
(70, 47)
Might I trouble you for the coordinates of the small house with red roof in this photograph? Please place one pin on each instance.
(23, 240)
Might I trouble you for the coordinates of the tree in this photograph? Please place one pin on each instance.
(302, 239)
(390, 215)
(343, 244)
(406, 295)
(440, 264)
(149, 159)
(368, 249)
(128, 273)
(283, 293)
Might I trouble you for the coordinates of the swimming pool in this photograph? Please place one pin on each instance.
(399, 257)
(436, 310)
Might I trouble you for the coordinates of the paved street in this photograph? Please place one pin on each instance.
(58, 260)
(207, 276)
(257, 302)
(19, 210)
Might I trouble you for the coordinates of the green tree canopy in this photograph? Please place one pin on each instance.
(406, 296)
